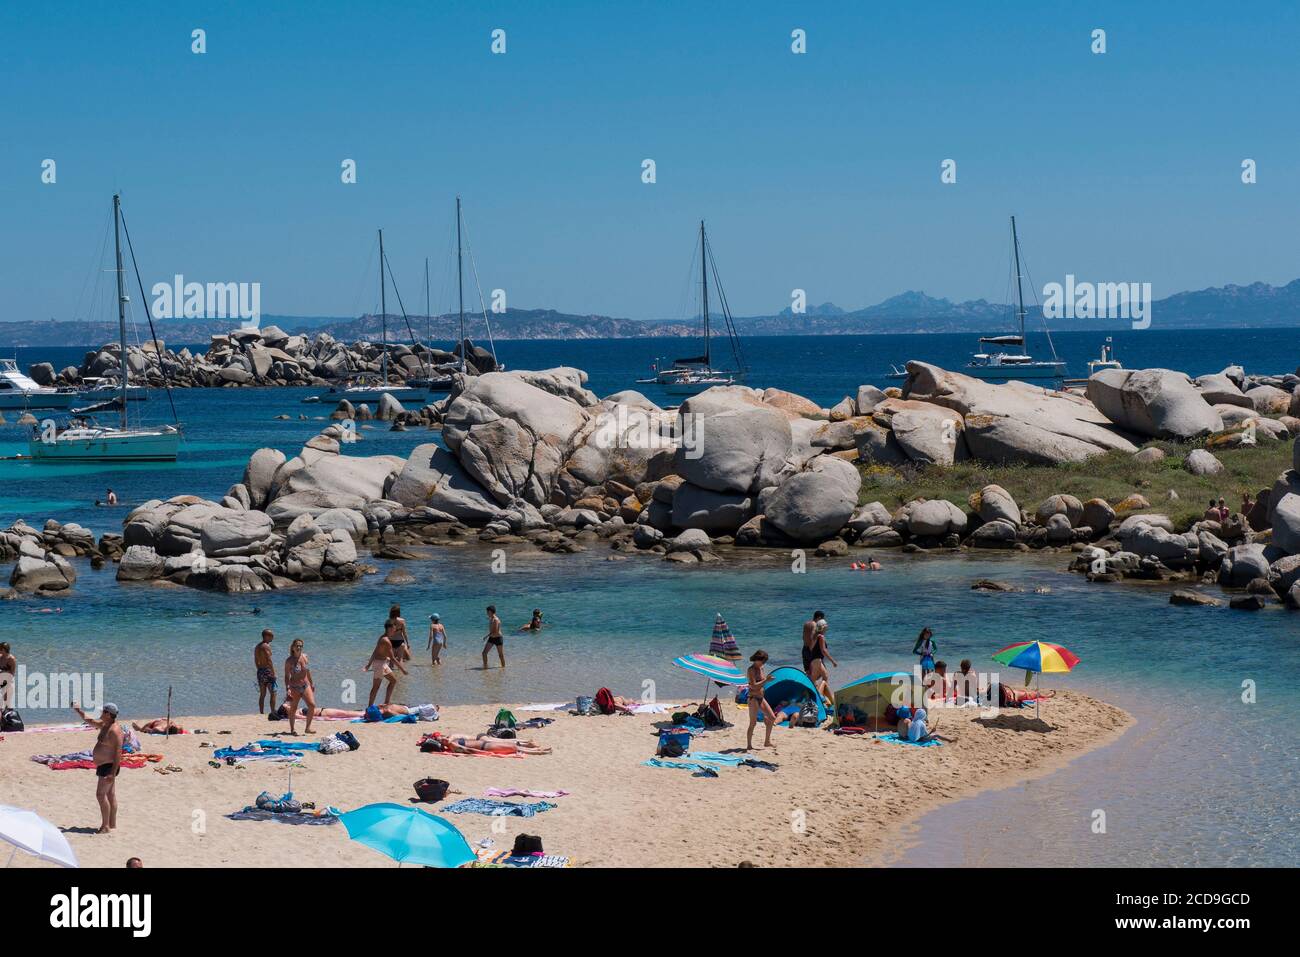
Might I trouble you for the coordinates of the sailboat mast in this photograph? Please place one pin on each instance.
(704, 274)
(460, 288)
(428, 317)
(121, 299)
(383, 312)
(1020, 294)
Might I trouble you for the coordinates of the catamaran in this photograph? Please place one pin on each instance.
(18, 391)
(363, 388)
(82, 439)
(694, 374)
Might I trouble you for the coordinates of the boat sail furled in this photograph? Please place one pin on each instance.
(694, 374)
(1003, 358)
(83, 439)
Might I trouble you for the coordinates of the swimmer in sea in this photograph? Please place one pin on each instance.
(535, 624)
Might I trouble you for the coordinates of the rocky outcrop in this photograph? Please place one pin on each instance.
(739, 450)
(814, 504)
(1156, 403)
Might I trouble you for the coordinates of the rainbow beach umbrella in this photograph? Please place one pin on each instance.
(715, 669)
(722, 644)
(1037, 657)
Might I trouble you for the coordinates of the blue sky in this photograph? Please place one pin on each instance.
(818, 171)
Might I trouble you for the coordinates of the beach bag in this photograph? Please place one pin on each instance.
(348, 738)
(431, 745)
(431, 789)
(332, 745)
(585, 705)
(673, 743)
(505, 719)
(11, 720)
(605, 701)
(808, 715)
(526, 845)
(502, 732)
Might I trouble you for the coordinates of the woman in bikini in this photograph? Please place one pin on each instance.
(382, 662)
(757, 703)
(297, 679)
(396, 628)
(484, 744)
(815, 656)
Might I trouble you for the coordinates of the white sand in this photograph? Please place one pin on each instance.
(835, 801)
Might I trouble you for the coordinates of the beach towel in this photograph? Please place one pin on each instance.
(893, 738)
(506, 859)
(516, 792)
(556, 706)
(272, 750)
(498, 808)
(53, 727)
(391, 719)
(82, 761)
(251, 813)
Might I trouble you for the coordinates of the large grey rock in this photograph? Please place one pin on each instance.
(1243, 564)
(865, 516)
(1269, 400)
(347, 519)
(739, 450)
(995, 502)
(140, 563)
(51, 573)
(715, 512)
(512, 436)
(877, 446)
(1098, 515)
(929, 434)
(343, 481)
(690, 540)
(1017, 422)
(627, 443)
(1288, 483)
(1157, 403)
(1201, 462)
(230, 532)
(1286, 523)
(997, 533)
(1066, 505)
(1150, 541)
(935, 518)
(1218, 389)
(433, 477)
(810, 506)
(867, 399)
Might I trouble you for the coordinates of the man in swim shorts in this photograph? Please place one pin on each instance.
(107, 755)
(265, 666)
(494, 637)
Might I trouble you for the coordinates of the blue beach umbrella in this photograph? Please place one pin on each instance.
(408, 835)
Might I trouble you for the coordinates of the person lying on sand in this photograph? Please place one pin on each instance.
(484, 743)
(158, 726)
(387, 710)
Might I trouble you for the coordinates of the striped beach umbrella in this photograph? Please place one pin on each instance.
(716, 669)
(722, 644)
(1037, 657)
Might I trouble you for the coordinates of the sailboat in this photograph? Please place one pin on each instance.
(83, 439)
(1003, 358)
(364, 389)
(694, 374)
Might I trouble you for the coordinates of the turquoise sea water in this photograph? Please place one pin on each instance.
(1203, 778)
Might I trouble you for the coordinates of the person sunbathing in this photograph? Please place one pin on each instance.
(158, 726)
(484, 744)
(387, 710)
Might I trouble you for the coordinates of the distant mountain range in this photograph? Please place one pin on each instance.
(1258, 305)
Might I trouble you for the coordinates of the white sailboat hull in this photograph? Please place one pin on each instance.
(37, 399)
(1020, 372)
(108, 445)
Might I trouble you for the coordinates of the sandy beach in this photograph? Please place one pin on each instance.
(852, 795)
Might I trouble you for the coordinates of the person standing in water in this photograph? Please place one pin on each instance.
(112, 498)
(382, 662)
(396, 629)
(107, 757)
(265, 666)
(437, 638)
(494, 637)
(299, 687)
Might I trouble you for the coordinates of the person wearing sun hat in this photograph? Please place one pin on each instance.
(437, 638)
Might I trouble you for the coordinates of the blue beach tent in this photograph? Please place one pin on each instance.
(792, 686)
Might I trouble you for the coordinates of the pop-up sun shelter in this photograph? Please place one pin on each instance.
(791, 686)
(862, 703)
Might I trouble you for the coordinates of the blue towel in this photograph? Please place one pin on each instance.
(498, 808)
(391, 719)
(895, 739)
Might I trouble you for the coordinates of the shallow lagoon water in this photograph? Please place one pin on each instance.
(1202, 779)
